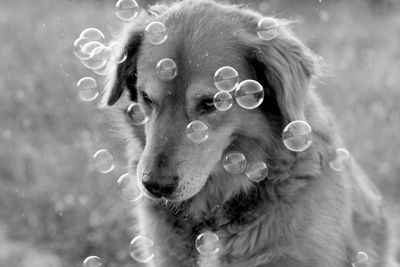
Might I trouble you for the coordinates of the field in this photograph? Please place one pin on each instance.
(55, 209)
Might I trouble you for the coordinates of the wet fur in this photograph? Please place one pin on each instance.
(304, 213)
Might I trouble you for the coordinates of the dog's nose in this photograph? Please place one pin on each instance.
(160, 186)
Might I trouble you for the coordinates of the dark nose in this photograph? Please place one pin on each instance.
(160, 186)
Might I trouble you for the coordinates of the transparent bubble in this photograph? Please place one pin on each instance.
(268, 28)
(98, 58)
(249, 94)
(127, 10)
(257, 171)
(156, 33)
(207, 243)
(137, 114)
(226, 79)
(197, 131)
(93, 34)
(102, 71)
(359, 260)
(141, 249)
(78, 46)
(88, 62)
(93, 261)
(129, 188)
(166, 69)
(118, 52)
(223, 100)
(104, 161)
(87, 89)
(234, 162)
(342, 155)
(297, 136)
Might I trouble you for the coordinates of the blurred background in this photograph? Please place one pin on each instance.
(56, 209)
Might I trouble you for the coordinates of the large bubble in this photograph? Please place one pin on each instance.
(297, 136)
(93, 34)
(268, 28)
(197, 131)
(93, 261)
(166, 69)
(223, 100)
(137, 114)
(226, 79)
(129, 188)
(207, 243)
(127, 10)
(141, 249)
(234, 162)
(87, 89)
(104, 161)
(257, 171)
(249, 94)
(156, 33)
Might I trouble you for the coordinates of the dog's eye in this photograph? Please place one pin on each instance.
(206, 105)
(146, 98)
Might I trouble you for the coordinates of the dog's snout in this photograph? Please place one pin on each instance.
(160, 186)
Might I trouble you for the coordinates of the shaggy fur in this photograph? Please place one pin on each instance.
(304, 213)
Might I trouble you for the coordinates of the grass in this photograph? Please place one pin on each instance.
(55, 209)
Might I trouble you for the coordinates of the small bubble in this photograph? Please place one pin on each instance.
(104, 161)
(87, 89)
(118, 52)
(156, 33)
(267, 28)
(249, 94)
(297, 136)
(166, 69)
(342, 155)
(127, 10)
(207, 243)
(129, 188)
(234, 162)
(257, 171)
(226, 79)
(223, 100)
(93, 34)
(360, 259)
(141, 249)
(78, 46)
(197, 131)
(93, 261)
(137, 114)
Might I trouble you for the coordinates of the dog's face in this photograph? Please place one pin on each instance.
(202, 37)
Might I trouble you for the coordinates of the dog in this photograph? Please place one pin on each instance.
(304, 213)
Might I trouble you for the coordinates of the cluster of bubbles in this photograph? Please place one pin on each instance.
(95, 55)
(360, 260)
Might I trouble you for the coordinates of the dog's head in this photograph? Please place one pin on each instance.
(202, 37)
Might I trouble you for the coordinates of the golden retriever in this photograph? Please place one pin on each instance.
(303, 214)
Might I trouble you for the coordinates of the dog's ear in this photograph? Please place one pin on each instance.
(123, 75)
(284, 66)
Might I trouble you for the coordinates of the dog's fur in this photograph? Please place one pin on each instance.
(304, 213)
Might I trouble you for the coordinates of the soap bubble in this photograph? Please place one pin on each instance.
(197, 131)
(102, 71)
(257, 171)
(87, 89)
(137, 114)
(104, 161)
(360, 260)
(166, 69)
(78, 46)
(141, 249)
(297, 136)
(99, 57)
(268, 28)
(156, 33)
(223, 100)
(342, 155)
(129, 188)
(207, 243)
(118, 54)
(93, 34)
(88, 48)
(127, 10)
(93, 261)
(226, 79)
(249, 94)
(234, 162)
